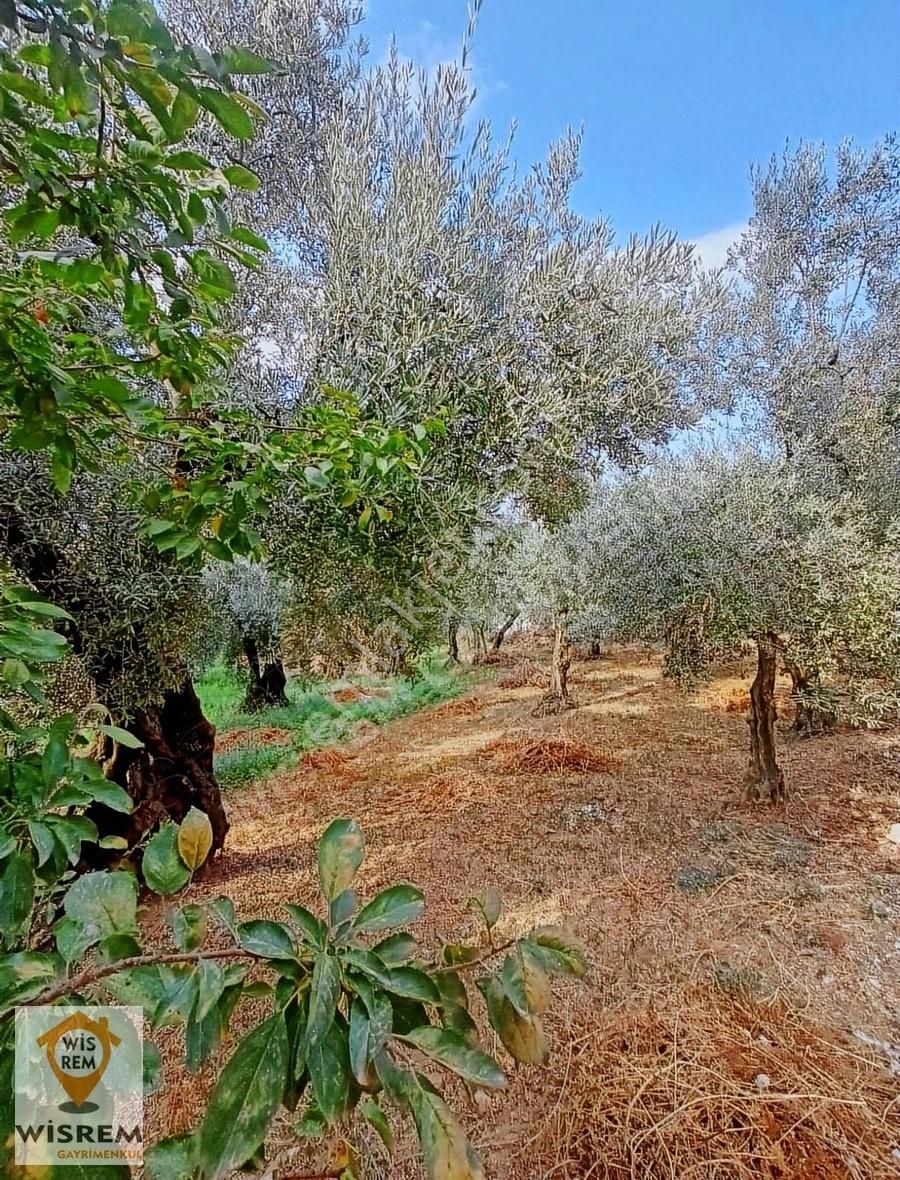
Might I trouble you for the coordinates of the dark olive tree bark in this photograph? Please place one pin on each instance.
(172, 773)
(453, 640)
(268, 681)
(764, 779)
(557, 698)
(502, 631)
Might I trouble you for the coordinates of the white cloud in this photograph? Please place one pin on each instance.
(712, 248)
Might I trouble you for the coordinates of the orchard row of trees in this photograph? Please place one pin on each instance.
(777, 523)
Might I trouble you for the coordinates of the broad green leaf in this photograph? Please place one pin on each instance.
(203, 1037)
(397, 906)
(54, 761)
(523, 1036)
(342, 909)
(409, 982)
(557, 951)
(396, 949)
(179, 996)
(100, 790)
(188, 926)
(140, 987)
(445, 1149)
(244, 1099)
(488, 903)
(171, 1159)
(328, 1062)
(194, 839)
(451, 987)
(358, 1041)
(164, 870)
(216, 274)
(269, 940)
(42, 839)
(450, 1050)
(380, 1014)
(73, 831)
(183, 115)
(240, 233)
(25, 975)
(308, 923)
(103, 904)
(119, 946)
(457, 1019)
(238, 60)
(210, 985)
(324, 994)
(229, 114)
(525, 981)
(376, 1118)
(341, 852)
(122, 736)
(187, 162)
(72, 940)
(413, 984)
(455, 954)
(241, 177)
(223, 908)
(117, 842)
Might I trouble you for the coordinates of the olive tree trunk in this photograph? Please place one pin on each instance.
(268, 681)
(764, 779)
(502, 630)
(453, 640)
(172, 773)
(557, 699)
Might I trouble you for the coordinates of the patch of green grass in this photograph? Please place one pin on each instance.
(312, 719)
(221, 692)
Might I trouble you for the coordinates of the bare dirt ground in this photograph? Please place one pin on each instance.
(742, 1016)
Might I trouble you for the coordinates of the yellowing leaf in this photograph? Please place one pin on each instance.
(194, 838)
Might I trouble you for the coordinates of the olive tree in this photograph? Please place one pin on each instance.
(809, 348)
(708, 551)
(812, 340)
(423, 273)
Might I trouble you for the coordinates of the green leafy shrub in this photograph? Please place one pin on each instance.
(355, 1008)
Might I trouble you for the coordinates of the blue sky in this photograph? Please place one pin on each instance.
(676, 96)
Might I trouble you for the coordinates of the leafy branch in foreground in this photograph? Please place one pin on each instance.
(356, 1011)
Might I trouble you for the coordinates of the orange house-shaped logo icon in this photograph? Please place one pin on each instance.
(78, 1052)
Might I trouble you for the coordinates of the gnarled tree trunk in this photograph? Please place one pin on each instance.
(453, 640)
(764, 779)
(502, 630)
(557, 699)
(267, 681)
(171, 774)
